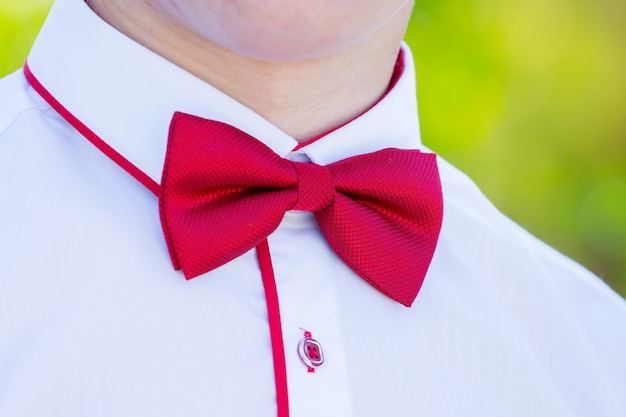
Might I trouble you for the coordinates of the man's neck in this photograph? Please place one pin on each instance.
(304, 99)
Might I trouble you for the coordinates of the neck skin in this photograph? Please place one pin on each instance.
(294, 96)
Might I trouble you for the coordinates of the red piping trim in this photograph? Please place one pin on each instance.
(276, 333)
(90, 135)
(263, 251)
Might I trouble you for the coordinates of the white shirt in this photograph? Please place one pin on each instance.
(94, 320)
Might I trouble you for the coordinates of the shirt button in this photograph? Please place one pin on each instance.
(310, 352)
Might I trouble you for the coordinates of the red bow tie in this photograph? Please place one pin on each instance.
(223, 192)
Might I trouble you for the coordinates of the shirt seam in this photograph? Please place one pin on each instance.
(19, 115)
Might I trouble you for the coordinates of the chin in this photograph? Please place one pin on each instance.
(296, 45)
(289, 30)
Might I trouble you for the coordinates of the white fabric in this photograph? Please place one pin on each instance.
(95, 322)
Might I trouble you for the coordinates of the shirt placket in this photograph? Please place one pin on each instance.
(304, 274)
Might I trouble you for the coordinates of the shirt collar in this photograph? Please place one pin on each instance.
(127, 95)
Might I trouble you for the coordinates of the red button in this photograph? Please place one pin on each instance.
(310, 352)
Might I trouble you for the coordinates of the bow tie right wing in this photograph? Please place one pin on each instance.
(385, 220)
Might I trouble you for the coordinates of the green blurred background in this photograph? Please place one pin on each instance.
(528, 98)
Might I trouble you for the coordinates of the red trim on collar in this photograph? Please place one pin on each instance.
(90, 135)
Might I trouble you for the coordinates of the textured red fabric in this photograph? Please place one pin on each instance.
(223, 192)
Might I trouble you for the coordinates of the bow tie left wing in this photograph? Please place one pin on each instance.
(219, 198)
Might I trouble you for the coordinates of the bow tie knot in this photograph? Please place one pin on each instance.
(316, 187)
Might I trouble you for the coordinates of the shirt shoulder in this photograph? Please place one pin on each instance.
(465, 204)
(31, 151)
(554, 303)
